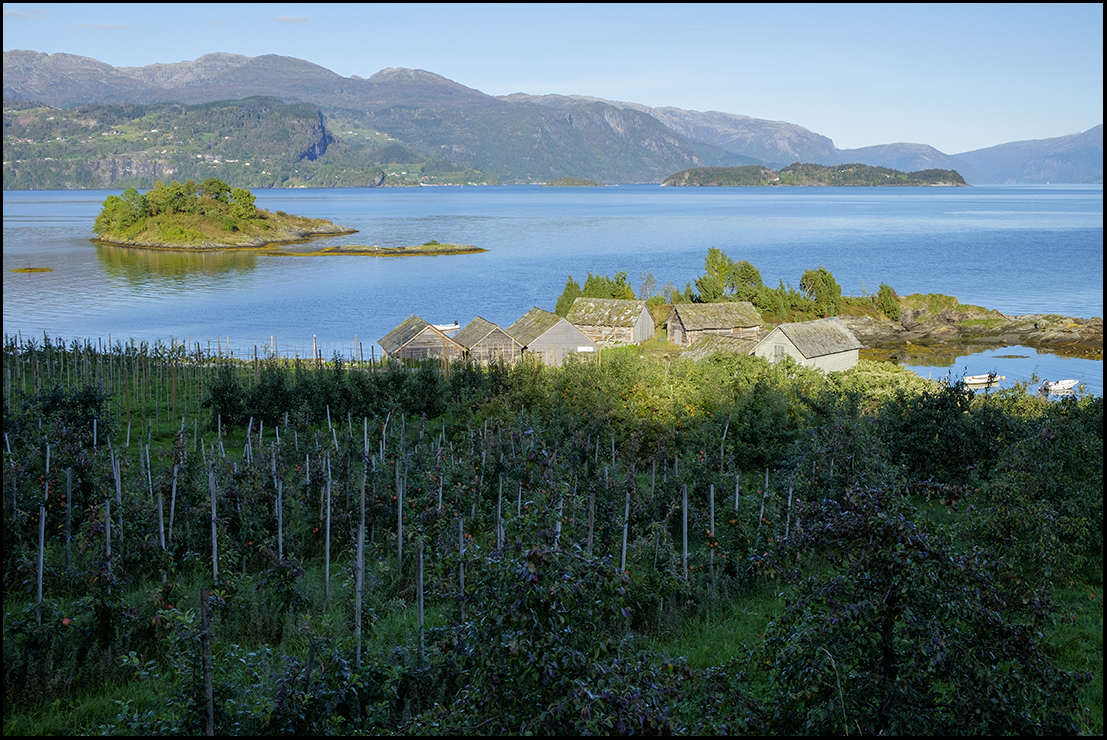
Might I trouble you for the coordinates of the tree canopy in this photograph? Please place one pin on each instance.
(596, 286)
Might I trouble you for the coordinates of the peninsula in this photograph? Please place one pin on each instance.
(427, 249)
(572, 182)
(848, 175)
(208, 216)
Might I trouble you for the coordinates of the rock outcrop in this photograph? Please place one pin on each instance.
(919, 332)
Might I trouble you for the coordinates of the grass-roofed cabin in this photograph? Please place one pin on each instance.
(487, 343)
(549, 337)
(416, 339)
(824, 343)
(711, 344)
(612, 321)
(688, 322)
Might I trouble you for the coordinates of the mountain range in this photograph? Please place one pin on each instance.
(521, 137)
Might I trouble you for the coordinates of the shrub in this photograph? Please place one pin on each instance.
(887, 301)
(902, 635)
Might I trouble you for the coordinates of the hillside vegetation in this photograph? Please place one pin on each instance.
(621, 545)
(257, 142)
(812, 174)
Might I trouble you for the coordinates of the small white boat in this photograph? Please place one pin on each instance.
(989, 379)
(1057, 385)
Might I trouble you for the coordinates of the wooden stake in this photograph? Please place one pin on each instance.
(360, 572)
(684, 551)
(214, 542)
(68, 516)
(788, 520)
(591, 518)
(327, 541)
(419, 602)
(626, 526)
(399, 520)
(280, 520)
(41, 548)
(107, 537)
(499, 515)
(205, 637)
(461, 564)
(711, 532)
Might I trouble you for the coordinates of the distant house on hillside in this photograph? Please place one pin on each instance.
(416, 339)
(487, 343)
(549, 337)
(687, 322)
(611, 321)
(825, 343)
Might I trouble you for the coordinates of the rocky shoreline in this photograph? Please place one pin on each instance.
(919, 332)
(285, 236)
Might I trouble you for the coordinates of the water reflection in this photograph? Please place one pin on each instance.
(142, 267)
(1016, 364)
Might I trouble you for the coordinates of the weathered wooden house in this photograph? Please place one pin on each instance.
(612, 321)
(827, 344)
(549, 337)
(416, 339)
(487, 343)
(687, 322)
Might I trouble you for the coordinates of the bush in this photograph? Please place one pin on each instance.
(902, 635)
(887, 301)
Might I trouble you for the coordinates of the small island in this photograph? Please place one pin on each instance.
(808, 175)
(572, 182)
(431, 248)
(208, 216)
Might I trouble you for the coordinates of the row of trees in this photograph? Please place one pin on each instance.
(596, 286)
(726, 279)
(595, 505)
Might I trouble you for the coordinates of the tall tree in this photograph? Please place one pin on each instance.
(821, 287)
(571, 292)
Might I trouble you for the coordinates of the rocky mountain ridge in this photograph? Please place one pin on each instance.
(611, 139)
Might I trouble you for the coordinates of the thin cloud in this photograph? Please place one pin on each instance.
(102, 26)
(291, 19)
(26, 15)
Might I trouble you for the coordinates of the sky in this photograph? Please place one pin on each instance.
(958, 77)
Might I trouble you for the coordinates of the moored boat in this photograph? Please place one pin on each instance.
(987, 379)
(1057, 385)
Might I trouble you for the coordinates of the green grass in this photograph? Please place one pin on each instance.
(1074, 639)
(724, 631)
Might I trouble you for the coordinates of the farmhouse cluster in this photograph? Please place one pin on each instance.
(699, 329)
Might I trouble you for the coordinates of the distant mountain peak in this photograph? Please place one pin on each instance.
(406, 74)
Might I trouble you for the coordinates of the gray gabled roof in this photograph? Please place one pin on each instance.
(531, 325)
(605, 312)
(729, 315)
(402, 334)
(409, 328)
(710, 344)
(820, 337)
(474, 331)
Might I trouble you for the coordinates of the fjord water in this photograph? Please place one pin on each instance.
(1018, 249)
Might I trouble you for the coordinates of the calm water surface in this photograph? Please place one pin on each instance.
(1018, 249)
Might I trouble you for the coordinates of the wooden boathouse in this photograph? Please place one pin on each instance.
(486, 343)
(549, 337)
(827, 344)
(688, 322)
(612, 321)
(417, 339)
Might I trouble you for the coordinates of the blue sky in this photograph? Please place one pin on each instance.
(958, 77)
